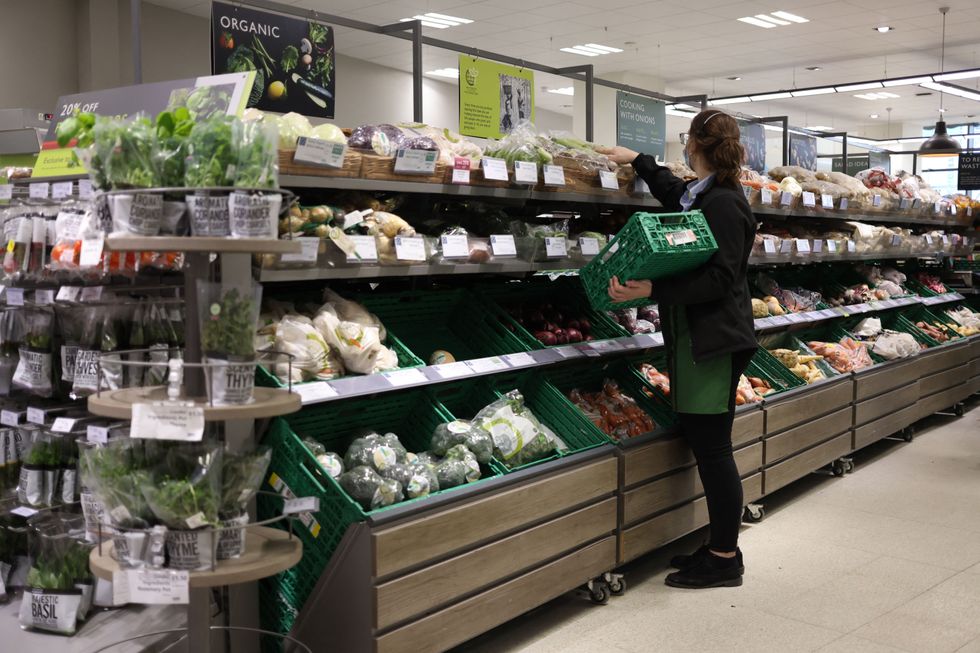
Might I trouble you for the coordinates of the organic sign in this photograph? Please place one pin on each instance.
(753, 138)
(803, 151)
(641, 124)
(968, 177)
(493, 97)
(292, 58)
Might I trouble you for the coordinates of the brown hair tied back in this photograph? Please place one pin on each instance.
(714, 137)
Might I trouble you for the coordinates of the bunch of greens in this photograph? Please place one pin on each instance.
(241, 476)
(60, 555)
(212, 153)
(229, 321)
(245, 59)
(258, 154)
(125, 152)
(185, 490)
(76, 128)
(171, 131)
(114, 473)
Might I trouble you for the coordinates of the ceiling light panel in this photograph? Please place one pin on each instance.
(773, 19)
(591, 50)
(858, 87)
(438, 21)
(813, 91)
(770, 19)
(584, 53)
(953, 90)
(963, 74)
(565, 90)
(751, 20)
(771, 96)
(729, 100)
(452, 73)
(906, 81)
(793, 18)
(883, 95)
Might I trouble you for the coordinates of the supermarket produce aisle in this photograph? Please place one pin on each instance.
(883, 560)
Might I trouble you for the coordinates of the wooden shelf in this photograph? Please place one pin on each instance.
(268, 551)
(202, 244)
(268, 402)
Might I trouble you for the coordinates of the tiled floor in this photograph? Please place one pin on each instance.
(884, 560)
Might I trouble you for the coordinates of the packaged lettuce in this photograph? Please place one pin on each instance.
(518, 437)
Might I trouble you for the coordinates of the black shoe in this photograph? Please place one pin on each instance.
(684, 562)
(709, 571)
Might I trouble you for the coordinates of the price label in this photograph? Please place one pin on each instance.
(6, 191)
(318, 152)
(503, 245)
(809, 199)
(554, 175)
(766, 196)
(952, 209)
(802, 245)
(24, 511)
(365, 249)
(301, 504)
(747, 191)
(525, 172)
(399, 378)
(817, 246)
(969, 211)
(827, 201)
(780, 320)
(455, 246)
(928, 240)
(410, 248)
(605, 346)
(876, 201)
(159, 421)
(10, 417)
(786, 198)
(44, 296)
(609, 181)
(937, 208)
(904, 204)
(39, 190)
(843, 204)
(416, 162)
(461, 170)
(589, 246)
(827, 313)
(35, 415)
(520, 359)
(556, 247)
(452, 370)
(896, 240)
(150, 586)
(494, 169)
(63, 425)
(851, 247)
(68, 293)
(308, 254)
(785, 246)
(491, 364)
(15, 296)
(85, 189)
(97, 434)
(945, 240)
(316, 391)
(60, 190)
(795, 318)
(91, 254)
(90, 293)
(567, 351)
(832, 246)
(769, 245)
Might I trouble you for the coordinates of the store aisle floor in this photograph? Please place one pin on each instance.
(885, 559)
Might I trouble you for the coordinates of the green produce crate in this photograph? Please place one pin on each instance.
(834, 332)
(658, 360)
(565, 294)
(919, 288)
(766, 366)
(645, 249)
(905, 321)
(464, 400)
(786, 340)
(452, 320)
(590, 377)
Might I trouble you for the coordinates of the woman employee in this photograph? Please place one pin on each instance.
(706, 315)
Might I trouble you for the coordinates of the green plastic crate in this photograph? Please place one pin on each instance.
(452, 320)
(464, 400)
(649, 246)
(765, 366)
(787, 340)
(565, 293)
(919, 288)
(659, 361)
(834, 332)
(590, 377)
(905, 321)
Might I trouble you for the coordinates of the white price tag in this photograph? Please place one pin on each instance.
(876, 201)
(747, 191)
(827, 201)
(399, 378)
(945, 240)
(904, 204)
(167, 422)
(68, 293)
(554, 175)
(832, 246)
(97, 434)
(301, 504)
(90, 294)
(520, 359)
(35, 415)
(416, 162)
(609, 181)
(929, 241)
(809, 199)
(556, 247)
(44, 296)
(795, 318)
(567, 351)
(151, 586)
(828, 313)
(318, 152)
(490, 364)
(851, 247)
(605, 346)
(15, 296)
(452, 370)
(766, 196)
(802, 245)
(843, 204)
(63, 425)
(24, 511)
(456, 246)
(503, 245)
(410, 248)
(525, 172)
(365, 247)
(769, 245)
(60, 190)
(461, 170)
(10, 417)
(589, 246)
(39, 190)
(817, 246)
(896, 240)
(315, 391)
(937, 208)
(785, 246)
(354, 218)
(494, 169)
(6, 191)
(91, 254)
(952, 209)
(85, 189)
(786, 198)
(310, 247)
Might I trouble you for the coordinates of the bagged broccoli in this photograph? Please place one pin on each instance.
(518, 437)
(331, 463)
(451, 472)
(371, 451)
(391, 440)
(427, 458)
(461, 453)
(369, 489)
(416, 480)
(463, 432)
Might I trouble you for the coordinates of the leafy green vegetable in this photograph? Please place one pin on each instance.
(318, 33)
(241, 476)
(229, 325)
(78, 126)
(258, 155)
(125, 151)
(289, 59)
(211, 153)
(322, 69)
(262, 56)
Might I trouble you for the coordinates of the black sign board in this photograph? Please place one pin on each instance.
(968, 172)
(855, 164)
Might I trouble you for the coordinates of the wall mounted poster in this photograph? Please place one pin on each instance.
(641, 124)
(753, 138)
(968, 172)
(803, 151)
(493, 97)
(293, 58)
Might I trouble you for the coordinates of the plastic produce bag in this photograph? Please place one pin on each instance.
(241, 476)
(331, 463)
(313, 358)
(229, 320)
(521, 144)
(460, 452)
(383, 139)
(463, 432)
(258, 155)
(369, 489)
(869, 327)
(892, 344)
(124, 149)
(359, 345)
(375, 451)
(212, 152)
(518, 437)
(34, 372)
(416, 481)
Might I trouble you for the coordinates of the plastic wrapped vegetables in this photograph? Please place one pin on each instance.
(463, 432)
(518, 437)
(369, 489)
(258, 155)
(383, 139)
(522, 144)
(124, 150)
(212, 153)
(375, 451)
(416, 480)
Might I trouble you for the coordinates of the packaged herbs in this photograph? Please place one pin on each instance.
(125, 152)
(241, 476)
(34, 370)
(212, 153)
(258, 154)
(10, 339)
(229, 320)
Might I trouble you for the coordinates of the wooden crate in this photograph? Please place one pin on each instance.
(351, 167)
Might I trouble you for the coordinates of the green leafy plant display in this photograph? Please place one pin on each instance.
(229, 325)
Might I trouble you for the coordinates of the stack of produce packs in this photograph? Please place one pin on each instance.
(613, 411)
(378, 471)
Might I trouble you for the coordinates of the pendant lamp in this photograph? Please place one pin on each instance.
(940, 144)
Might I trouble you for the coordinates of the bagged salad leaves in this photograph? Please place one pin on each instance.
(464, 432)
(241, 476)
(518, 437)
(369, 489)
(34, 372)
(258, 155)
(229, 320)
(212, 153)
(355, 334)
(521, 144)
(171, 130)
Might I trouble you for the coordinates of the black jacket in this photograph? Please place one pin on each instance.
(716, 294)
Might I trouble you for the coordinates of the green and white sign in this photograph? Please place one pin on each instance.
(641, 124)
(493, 97)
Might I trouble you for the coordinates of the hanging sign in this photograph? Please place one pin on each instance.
(641, 124)
(968, 172)
(803, 151)
(493, 97)
(753, 138)
(293, 58)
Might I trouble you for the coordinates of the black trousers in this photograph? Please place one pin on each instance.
(710, 438)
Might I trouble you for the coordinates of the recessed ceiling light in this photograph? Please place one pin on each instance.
(883, 95)
(729, 100)
(591, 49)
(452, 73)
(770, 19)
(814, 68)
(872, 115)
(793, 18)
(736, 78)
(565, 90)
(439, 21)
(752, 20)
(771, 96)
(881, 29)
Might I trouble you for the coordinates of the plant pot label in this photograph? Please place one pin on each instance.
(178, 421)
(34, 371)
(231, 540)
(525, 172)
(30, 486)
(52, 610)
(229, 382)
(191, 550)
(209, 215)
(455, 246)
(85, 380)
(416, 162)
(318, 152)
(69, 485)
(150, 587)
(494, 169)
(254, 215)
(139, 214)
(94, 513)
(503, 245)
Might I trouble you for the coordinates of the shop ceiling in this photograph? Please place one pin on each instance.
(694, 46)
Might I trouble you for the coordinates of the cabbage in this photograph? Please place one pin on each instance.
(329, 132)
(292, 126)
